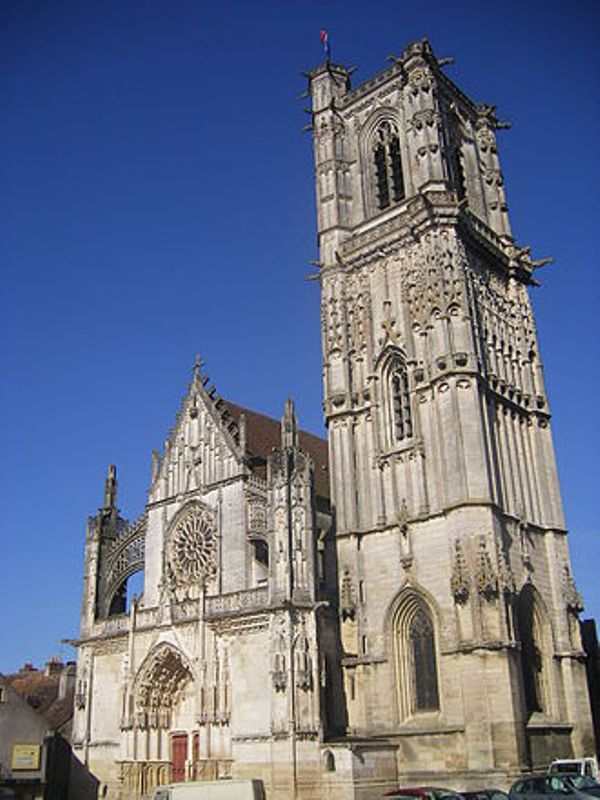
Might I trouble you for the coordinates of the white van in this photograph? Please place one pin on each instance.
(211, 790)
(581, 766)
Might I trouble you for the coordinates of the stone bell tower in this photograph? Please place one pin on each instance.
(458, 610)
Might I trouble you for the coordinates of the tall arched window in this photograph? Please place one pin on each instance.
(423, 659)
(400, 402)
(389, 180)
(533, 634)
(415, 657)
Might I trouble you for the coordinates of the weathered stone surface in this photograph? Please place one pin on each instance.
(419, 624)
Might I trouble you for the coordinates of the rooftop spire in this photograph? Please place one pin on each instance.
(198, 364)
(110, 488)
(289, 427)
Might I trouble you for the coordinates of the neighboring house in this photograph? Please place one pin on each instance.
(36, 712)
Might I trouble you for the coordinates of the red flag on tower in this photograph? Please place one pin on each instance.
(325, 43)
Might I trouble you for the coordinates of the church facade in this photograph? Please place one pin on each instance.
(395, 605)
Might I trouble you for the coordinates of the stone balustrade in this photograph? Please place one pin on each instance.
(236, 602)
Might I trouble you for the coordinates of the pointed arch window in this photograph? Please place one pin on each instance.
(534, 652)
(389, 179)
(400, 402)
(415, 657)
(423, 660)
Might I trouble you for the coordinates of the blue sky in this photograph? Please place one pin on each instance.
(157, 200)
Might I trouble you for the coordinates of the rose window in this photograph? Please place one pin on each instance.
(192, 546)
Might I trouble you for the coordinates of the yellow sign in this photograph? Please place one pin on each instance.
(26, 756)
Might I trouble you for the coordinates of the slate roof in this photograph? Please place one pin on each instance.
(263, 435)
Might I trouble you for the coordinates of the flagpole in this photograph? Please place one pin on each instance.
(326, 45)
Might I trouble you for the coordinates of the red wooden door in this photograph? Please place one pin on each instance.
(179, 744)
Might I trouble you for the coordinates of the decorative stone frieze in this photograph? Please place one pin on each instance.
(236, 603)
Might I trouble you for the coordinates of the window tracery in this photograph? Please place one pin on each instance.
(415, 657)
(397, 417)
(191, 547)
(388, 175)
(535, 657)
(401, 413)
(423, 658)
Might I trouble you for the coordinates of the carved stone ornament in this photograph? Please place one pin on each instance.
(257, 516)
(506, 578)
(279, 671)
(303, 664)
(525, 545)
(485, 575)
(280, 650)
(191, 547)
(573, 599)
(425, 117)
(334, 329)
(390, 333)
(420, 80)
(347, 597)
(485, 138)
(460, 582)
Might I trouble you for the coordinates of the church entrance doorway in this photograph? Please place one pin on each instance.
(179, 745)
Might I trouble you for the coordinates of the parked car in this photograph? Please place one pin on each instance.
(550, 787)
(423, 793)
(211, 790)
(583, 766)
(484, 794)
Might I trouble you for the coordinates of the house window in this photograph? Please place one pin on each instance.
(389, 180)
(415, 657)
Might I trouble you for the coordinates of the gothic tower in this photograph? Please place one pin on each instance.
(458, 610)
(409, 612)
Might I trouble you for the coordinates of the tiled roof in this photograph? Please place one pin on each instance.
(263, 436)
(40, 691)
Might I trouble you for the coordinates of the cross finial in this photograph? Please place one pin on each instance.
(198, 363)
